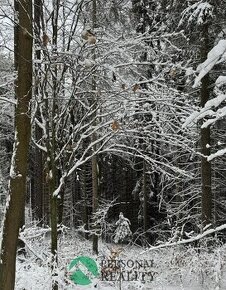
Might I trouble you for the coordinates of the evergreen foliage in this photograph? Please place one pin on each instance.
(122, 232)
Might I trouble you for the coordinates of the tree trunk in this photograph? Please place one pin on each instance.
(37, 177)
(95, 201)
(54, 234)
(17, 185)
(61, 206)
(53, 169)
(145, 203)
(206, 197)
(94, 158)
(85, 181)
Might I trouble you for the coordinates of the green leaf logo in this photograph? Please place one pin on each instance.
(83, 270)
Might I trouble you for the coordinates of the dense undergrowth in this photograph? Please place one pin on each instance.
(178, 267)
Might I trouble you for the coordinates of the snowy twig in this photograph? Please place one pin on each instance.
(193, 239)
(4, 99)
(29, 247)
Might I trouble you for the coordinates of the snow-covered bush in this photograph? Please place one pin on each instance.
(174, 267)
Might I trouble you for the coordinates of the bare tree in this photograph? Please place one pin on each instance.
(18, 172)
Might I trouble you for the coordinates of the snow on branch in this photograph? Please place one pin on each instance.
(216, 55)
(31, 249)
(191, 119)
(193, 239)
(213, 117)
(220, 113)
(217, 154)
(58, 189)
(4, 99)
(215, 102)
(197, 13)
(221, 80)
(207, 111)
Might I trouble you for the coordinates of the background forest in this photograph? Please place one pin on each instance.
(111, 107)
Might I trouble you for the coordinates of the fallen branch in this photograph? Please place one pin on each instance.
(193, 239)
(30, 248)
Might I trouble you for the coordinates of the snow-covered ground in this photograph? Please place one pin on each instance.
(174, 268)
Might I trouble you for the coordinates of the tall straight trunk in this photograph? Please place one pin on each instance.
(37, 190)
(17, 185)
(54, 223)
(95, 201)
(20, 244)
(60, 205)
(94, 158)
(37, 196)
(145, 203)
(16, 36)
(206, 196)
(84, 190)
(53, 170)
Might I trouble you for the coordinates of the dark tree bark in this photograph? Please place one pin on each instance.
(206, 196)
(51, 151)
(37, 177)
(95, 200)
(94, 158)
(86, 179)
(145, 193)
(17, 186)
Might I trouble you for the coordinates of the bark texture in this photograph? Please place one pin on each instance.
(17, 186)
(205, 138)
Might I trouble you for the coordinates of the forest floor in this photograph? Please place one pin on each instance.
(172, 268)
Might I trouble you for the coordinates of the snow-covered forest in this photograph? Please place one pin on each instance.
(113, 144)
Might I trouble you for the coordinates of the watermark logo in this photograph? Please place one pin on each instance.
(83, 270)
(127, 270)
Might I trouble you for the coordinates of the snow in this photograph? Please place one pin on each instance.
(88, 63)
(196, 13)
(207, 111)
(213, 117)
(189, 71)
(186, 241)
(57, 191)
(4, 99)
(12, 173)
(191, 119)
(215, 102)
(122, 231)
(217, 154)
(221, 80)
(176, 267)
(216, 55)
